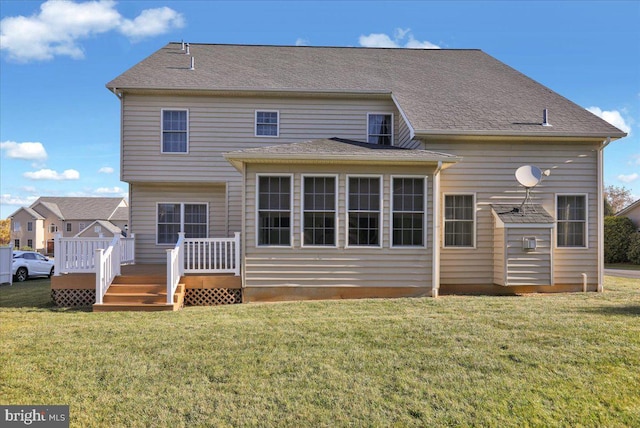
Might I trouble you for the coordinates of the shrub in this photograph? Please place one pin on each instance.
(617, 237)
(633, 254)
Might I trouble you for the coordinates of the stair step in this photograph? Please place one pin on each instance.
(123, 307)
(137, 288)
(138, 298)
(140, 279)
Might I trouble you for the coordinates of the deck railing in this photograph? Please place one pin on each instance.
(107, 267)
(175, 267)
(77, 255)
(212, 255)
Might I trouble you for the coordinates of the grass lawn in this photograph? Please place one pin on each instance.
(625, 266)
(534, 360)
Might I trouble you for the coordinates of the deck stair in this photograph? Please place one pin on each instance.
(140, 293)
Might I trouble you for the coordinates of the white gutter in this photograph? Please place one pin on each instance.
(412, 132)
(435, 256)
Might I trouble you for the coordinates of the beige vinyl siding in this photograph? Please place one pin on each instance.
(223, 124)
(403, 131)
(37, 234)
(350, 267)
(145, 197)
(488, 170)
(498, 255)
(531, 267)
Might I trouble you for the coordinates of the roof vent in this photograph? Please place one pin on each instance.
(545, 118)
(182, 48)
(187, 52)
(193, 63)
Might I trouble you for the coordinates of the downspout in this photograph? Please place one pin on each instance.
(243, 228)
(600, 211)
(435, 239)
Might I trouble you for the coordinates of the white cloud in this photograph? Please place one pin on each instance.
(402, 38)
(49, 174)
(629, 178)
(151, 22)
(635, 159)
(59, 26)
(302, 42)
(613, 117)
(25, 151)
(105, 170)
(28, 189)
(7, 199)
(109, 190)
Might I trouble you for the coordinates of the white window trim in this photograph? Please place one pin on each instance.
(424, 212)
(386, 113)
(475, 221)
(182, 204)
(17, 227)
(335, 214)
(586, 222)
(381, 212)
(255, 123)
(53, 228)
(257, 210)
(162, 110)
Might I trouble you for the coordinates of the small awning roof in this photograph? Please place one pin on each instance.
(339, 151)
(526, 214)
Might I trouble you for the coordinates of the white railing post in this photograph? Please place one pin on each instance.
(58, 254)
(100, 274)
(237, 254)
(181, 253)
(169, 274)
(117, 256)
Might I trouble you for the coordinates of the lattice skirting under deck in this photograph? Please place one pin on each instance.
(212, 296)
(72, 298)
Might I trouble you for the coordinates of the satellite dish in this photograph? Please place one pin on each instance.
(529, 176)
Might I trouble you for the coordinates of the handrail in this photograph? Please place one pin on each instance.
(212, 255)
(77, 255)
(175, 267)
(107, 267)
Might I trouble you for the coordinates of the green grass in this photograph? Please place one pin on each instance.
(624, 266)
(534, 360)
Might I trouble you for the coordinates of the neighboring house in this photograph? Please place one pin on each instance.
(358, 172)
(633, 212)
(36, 226)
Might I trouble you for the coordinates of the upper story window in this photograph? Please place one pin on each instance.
(16, 226)
(380, 128)
(364, 213)
(319, 211)
(29, 226)
(571, 215)
(192, 219)
(69, 227)
(175, 134)
(274, 210)
(408, 211)
(267, 123)
(53, 228)
(459, 220)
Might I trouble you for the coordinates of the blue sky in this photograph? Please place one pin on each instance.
(59, 125)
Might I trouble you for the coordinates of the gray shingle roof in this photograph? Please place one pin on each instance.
(121, 213)
(79, 208)
(30, 211)
(340, 150)
(529, 214)
(439, 90)
(628, 208)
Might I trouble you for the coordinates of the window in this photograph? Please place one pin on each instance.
(174, 131)
(571, 216)
(459, 220)
(16, 243)
(267, 124)
(53, 228)
(274, 210)
(16, 226)
(81, 226)
(408, 211)
(69, 227)
(30, 243)
(364, 211)
(319, 211)
(29, 226)
(380, 129)
(192, 219)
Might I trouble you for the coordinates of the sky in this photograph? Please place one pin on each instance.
(60, 126)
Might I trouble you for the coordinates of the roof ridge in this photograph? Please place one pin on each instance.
(262, 45)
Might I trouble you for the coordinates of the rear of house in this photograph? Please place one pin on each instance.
(354, 172)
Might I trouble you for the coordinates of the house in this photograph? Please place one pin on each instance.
(362, 172)
(633, 212)
(37, 225)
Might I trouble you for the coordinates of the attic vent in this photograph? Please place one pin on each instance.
(187, 51)
(545, 118)
(182, 48)
(193, 63)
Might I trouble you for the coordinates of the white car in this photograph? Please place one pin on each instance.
(30, 263)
